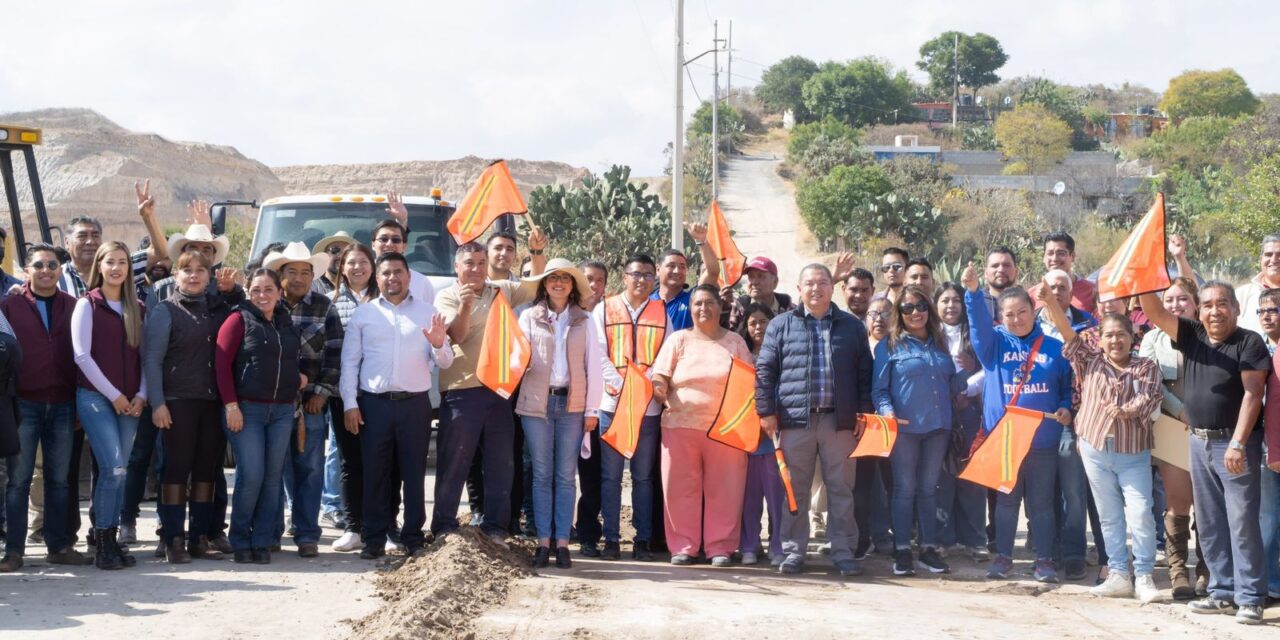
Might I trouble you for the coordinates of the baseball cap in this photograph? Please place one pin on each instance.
(762, 263)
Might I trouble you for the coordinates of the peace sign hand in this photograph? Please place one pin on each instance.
(146, 203)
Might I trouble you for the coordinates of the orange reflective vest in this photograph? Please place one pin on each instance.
(637, 341)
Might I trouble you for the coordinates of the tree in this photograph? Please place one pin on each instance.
(1208, 93)
(803, 135)
(1252, 202)
(729, 122)
(864, 91)
(980, 57)
(605, 219)
(825, 154)
(1033, 138)
(1193, 144)
(1064, 102)
(780, 86)
(833, 204)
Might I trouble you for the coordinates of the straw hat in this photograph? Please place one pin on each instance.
(199, 233)
(564, 266)
(341, 236)
(297, 252)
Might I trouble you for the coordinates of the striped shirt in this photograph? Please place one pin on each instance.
(823, 378)
(1135, 391)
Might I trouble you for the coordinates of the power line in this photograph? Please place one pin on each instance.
(692, 85)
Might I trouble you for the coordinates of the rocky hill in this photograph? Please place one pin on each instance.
(88, 165)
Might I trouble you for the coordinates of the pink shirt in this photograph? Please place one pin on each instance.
(697, 368)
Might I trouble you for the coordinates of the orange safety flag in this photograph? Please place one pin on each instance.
(636, 394)
(878, 436)
(786, 475)
(731, 260)
(505, 351)
(1138, 266)
(493, 195)
(737, 424)
(996, 462)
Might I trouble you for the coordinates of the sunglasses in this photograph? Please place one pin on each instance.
(40, 265)
(908, 308)
(389, 240)
(335, 250)
(893, 266)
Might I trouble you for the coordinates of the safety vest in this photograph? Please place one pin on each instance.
(638, 340)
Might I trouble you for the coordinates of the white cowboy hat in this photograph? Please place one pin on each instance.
(341, 236)
(297, 252)
(563, 266)
(199, 233)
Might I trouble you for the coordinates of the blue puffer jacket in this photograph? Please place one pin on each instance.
(1002, 355)
(782, 369)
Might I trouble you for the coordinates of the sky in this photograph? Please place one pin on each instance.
(590, 83)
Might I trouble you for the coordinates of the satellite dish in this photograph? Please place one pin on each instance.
(1008, 100)
(978, 101)
(1059, 188)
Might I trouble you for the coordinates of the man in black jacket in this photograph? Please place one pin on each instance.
(813, 378)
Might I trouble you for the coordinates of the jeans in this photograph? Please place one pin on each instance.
(48, 426)
(400, 431)
(145, 447)
(111, 440)
(261, 448)
(962, 505)
(1227, 508)
(820, 448)
(643, 465)
(1270, 522)
(331, 495)
(917, 462)
(1035, 483)
(1121, 484)
(553, 443)
(470, 419)
(304, 480)
(1073, 486)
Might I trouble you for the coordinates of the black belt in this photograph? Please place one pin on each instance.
(559, 391)
(1212, 434)
(822, 410)
(393, 395)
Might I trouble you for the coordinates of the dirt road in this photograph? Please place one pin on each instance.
(761, 209)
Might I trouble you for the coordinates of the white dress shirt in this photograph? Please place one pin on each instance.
(560, 359)
(612, 379)
(384, 349)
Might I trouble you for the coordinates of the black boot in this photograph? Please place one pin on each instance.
(122, 551)
(106, 556)
(176, 551)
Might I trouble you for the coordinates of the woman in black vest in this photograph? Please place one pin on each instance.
(178, 361)
(106, 336)
(258, 380)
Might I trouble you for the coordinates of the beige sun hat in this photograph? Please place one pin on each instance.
(297, 252)
(562, 265)
(199, 233)
(341, 236)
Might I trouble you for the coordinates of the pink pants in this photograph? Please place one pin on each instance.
(695, 467)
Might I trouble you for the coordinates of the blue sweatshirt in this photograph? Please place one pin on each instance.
(1002, 355)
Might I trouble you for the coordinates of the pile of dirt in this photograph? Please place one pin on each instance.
(439, 594)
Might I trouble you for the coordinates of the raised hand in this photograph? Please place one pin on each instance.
(198, 213)
(1045, 296)
(537, 239)
(698, 230)
(970, 277)
(396, 208)
(436, 333)
(146, 203)
(844, 267)
(1177, 246)
(467, 295)
(227, 279)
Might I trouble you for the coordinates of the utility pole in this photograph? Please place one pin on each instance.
(677, 147)
(728, 72)
(715, 110)
(955, 95)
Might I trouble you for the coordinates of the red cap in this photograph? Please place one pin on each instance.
(762, 263)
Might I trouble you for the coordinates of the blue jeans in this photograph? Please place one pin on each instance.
(1227, 507)
(1073, 505)
(643, 465)
(1035, 483)
(1121, 484)
(553, 443)
(50, 427)
(260, 448)
(916, 462)
(331, 496)
(304, 480)
(111, 439)
(1270, 522)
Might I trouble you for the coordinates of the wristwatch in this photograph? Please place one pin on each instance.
(1235, 444)
(535, 252)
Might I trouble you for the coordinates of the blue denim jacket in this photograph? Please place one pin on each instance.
(916, 382)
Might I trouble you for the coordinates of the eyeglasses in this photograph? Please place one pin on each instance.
(559, 277)
(892, 266)
(40, 265)
(877, 315)
(909, 308)
(640, 275)
(389, 240)
(1268, 311)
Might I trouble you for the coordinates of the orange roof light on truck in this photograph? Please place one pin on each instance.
(20, 139)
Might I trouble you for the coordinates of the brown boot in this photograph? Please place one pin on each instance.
(1177, 530)
(176, 551)
(201, 548)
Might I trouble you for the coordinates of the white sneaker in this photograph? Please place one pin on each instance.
(1146, 589)
(1117, 585)
(749, 558)
(349, 541)
(395, 547)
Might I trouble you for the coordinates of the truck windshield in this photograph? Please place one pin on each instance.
(430, 249)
